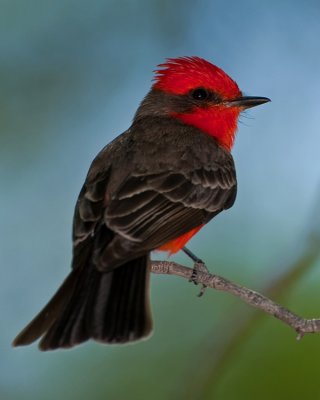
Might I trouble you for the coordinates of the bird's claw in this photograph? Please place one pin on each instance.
(198, 267)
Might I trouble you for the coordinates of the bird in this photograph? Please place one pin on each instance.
(152, 188)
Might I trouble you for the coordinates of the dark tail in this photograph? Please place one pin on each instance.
(110, 307)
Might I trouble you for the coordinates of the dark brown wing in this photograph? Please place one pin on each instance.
(154, 209)
(153, 192)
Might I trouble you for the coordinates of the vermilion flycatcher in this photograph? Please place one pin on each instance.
(153, 187)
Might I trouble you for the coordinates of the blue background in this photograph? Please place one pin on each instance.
(72, 74)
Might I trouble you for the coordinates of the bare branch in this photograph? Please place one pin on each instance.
(254, 299)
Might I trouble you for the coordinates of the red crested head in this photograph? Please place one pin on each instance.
(182, 74)
(212, 100)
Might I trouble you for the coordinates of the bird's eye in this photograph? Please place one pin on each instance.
(200, 94)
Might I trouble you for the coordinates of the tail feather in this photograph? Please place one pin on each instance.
(135, 312)
(43, 321)
(68, 329)
(110, 307)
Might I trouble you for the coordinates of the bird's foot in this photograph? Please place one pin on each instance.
(199, 267)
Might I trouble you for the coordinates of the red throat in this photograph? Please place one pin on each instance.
(219, 122)
(179, 76)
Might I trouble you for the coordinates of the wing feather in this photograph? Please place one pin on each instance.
(151, 197)
(164, 206)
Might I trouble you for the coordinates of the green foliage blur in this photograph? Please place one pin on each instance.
(72, 74)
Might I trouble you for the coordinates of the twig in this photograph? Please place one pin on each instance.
(255, 299)
(227, 343)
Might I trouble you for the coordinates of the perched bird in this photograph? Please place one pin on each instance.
(153, 187)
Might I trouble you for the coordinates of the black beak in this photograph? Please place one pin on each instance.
(247, 101)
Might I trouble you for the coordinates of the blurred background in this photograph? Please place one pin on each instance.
(72, 73)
